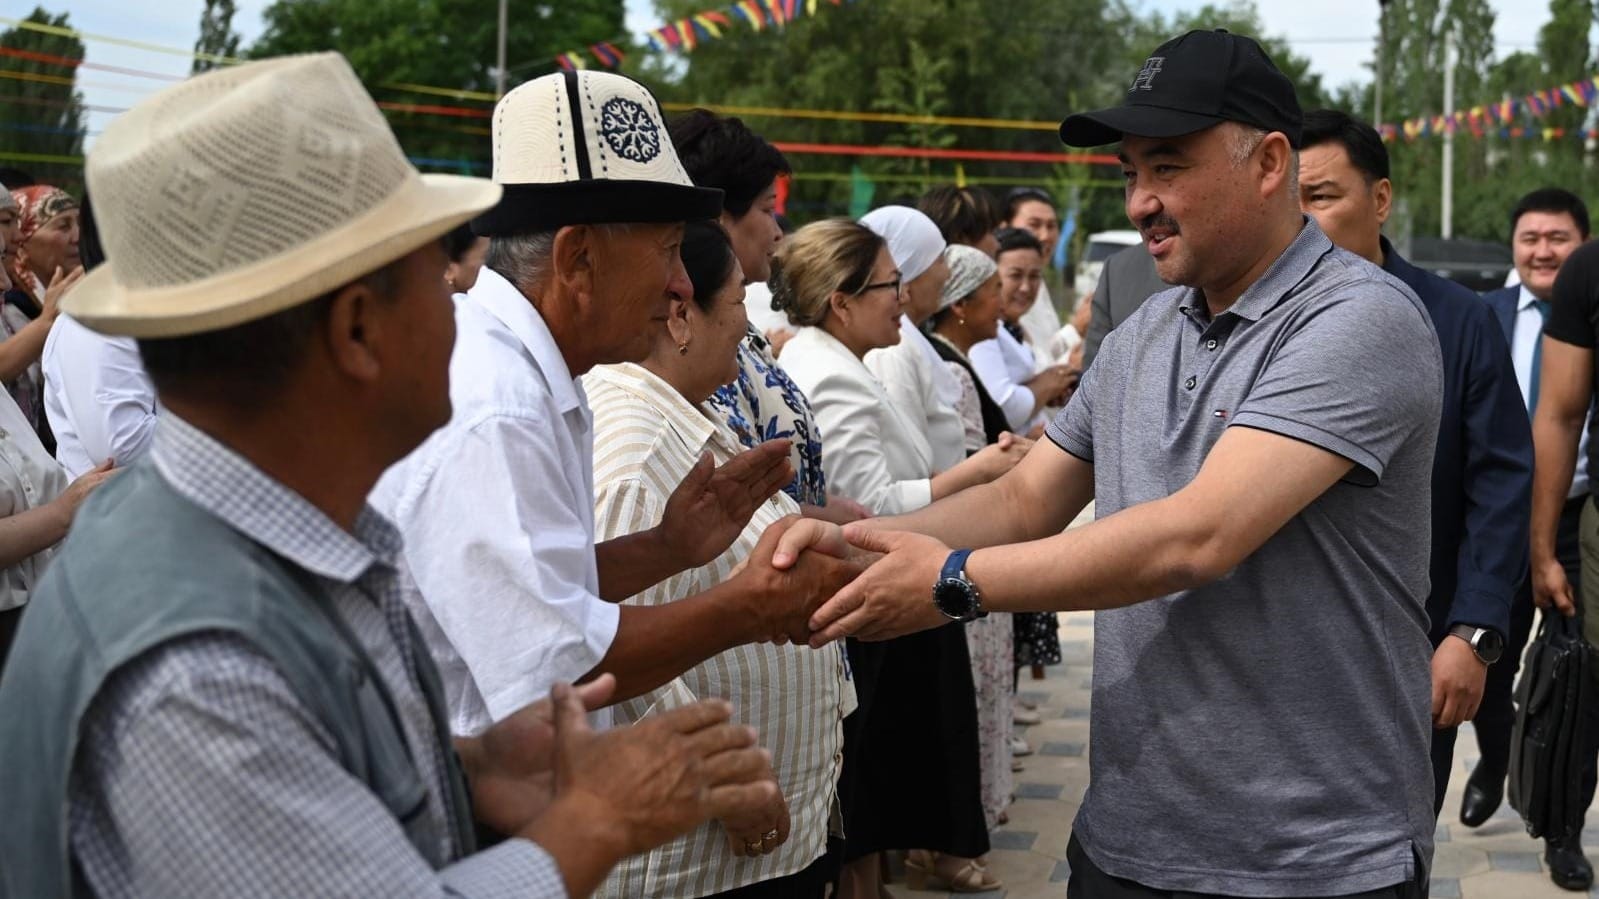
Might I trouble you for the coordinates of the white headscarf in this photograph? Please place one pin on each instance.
(913, 239)
(969, 267)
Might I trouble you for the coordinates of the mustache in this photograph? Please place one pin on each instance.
(1159, 221)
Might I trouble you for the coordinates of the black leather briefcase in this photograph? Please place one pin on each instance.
(1546, 748)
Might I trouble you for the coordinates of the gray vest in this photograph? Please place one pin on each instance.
(144, 566)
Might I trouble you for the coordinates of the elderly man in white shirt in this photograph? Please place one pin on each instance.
(497, 508)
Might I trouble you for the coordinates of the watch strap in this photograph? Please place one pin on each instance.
(955, 564)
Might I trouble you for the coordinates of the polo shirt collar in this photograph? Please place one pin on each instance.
(1291, 268)
(500, 298)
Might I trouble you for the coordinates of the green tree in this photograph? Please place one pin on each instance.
(217, 37)
(43, 114)
(441, 43)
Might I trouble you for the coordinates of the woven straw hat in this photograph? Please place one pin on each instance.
(586, 148)
(248, 190)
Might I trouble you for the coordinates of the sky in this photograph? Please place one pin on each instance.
(1336, 35)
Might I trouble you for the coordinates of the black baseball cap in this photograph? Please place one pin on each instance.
(1190, 83)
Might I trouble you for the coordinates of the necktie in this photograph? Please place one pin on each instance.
(1537, 355)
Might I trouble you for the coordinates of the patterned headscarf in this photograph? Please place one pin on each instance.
(37, 205)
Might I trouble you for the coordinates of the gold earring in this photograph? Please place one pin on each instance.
(682, 348)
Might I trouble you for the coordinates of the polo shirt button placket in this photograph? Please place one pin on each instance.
(1190, 382)
(1211, 344)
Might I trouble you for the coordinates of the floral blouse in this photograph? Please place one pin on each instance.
(764, 404)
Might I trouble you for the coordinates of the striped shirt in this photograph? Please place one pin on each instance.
(646, 437)
(201, 773)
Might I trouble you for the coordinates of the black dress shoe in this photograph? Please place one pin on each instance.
(1568, 867)
(1483, 793)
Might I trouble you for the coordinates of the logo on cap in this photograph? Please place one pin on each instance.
(629, 129)
(1146, 76)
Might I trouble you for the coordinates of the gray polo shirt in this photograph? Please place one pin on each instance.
(1268, 734)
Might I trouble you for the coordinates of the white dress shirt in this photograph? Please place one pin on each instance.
(918, 381)
(497, 510)
(1005, 365)
(871, 452)
(758, 306)
(1042, 323)
(1528, 331)
(100, 402)
(795, 696)
(29, 478)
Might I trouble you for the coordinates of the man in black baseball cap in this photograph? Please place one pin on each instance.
(1258, 443)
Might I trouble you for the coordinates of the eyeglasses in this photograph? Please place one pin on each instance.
(880, 285)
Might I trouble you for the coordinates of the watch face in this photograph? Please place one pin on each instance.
(1490, 646)
(954, 598)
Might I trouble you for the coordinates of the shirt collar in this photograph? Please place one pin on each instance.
(693, 422)
(501, 299)
(225, 484)
(1269, 289)
(1526, 300)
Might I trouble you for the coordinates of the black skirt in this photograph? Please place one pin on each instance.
(911, 762)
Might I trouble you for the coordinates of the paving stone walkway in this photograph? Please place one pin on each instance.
(1496, 861)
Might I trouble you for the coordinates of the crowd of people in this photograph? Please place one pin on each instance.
(588, 531)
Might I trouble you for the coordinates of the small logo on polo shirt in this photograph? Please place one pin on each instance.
(1146, 76)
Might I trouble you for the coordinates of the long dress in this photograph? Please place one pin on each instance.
(990, 640)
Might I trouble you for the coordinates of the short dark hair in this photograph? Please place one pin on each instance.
(1017, 239)
(1360, 140)
(459, 240)
(1553, 200)
(725, 153)
(964, 215)
(246, 363)
(708, 256)
(1020, 195)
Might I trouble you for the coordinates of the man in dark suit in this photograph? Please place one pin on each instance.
(1482, 470)
(1126, 281)
(1546, 226)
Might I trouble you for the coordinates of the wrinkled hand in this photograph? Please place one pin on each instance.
(781, 597)
(59, 285)
(510, 767)
(892, 598)
(663, 776)
(840, 510)
(747, 832)
(1550, 587)
(712, 506)
(1458, 677)
(78, 491)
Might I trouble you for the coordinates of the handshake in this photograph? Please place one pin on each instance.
(812, 581)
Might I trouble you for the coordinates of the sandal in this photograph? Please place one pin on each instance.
(926, 870)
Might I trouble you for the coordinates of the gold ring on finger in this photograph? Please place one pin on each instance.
(769, 835)
(753, 848)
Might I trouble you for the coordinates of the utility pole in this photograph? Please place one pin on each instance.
(1447, 229)
(499, 67)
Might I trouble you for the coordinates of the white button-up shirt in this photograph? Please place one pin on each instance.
(29, 478)
(100, 402)
(1005, 365)
(497, 510)
(1523, 346)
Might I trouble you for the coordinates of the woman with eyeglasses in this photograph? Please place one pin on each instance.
(911, 756)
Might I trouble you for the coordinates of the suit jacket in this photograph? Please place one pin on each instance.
(870, 452)
(1503, 302)
(1482, 471)
(1126, 281)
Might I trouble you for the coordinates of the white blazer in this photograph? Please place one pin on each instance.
(920, 384)
(870, 452)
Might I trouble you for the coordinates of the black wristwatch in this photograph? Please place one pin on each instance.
(954, 595)
(1485, 642)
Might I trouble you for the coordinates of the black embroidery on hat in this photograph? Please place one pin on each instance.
(630, 130)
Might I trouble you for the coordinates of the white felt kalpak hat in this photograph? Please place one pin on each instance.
(251, 189)
(586, 148)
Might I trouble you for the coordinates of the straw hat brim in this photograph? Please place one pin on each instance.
(424, 209)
